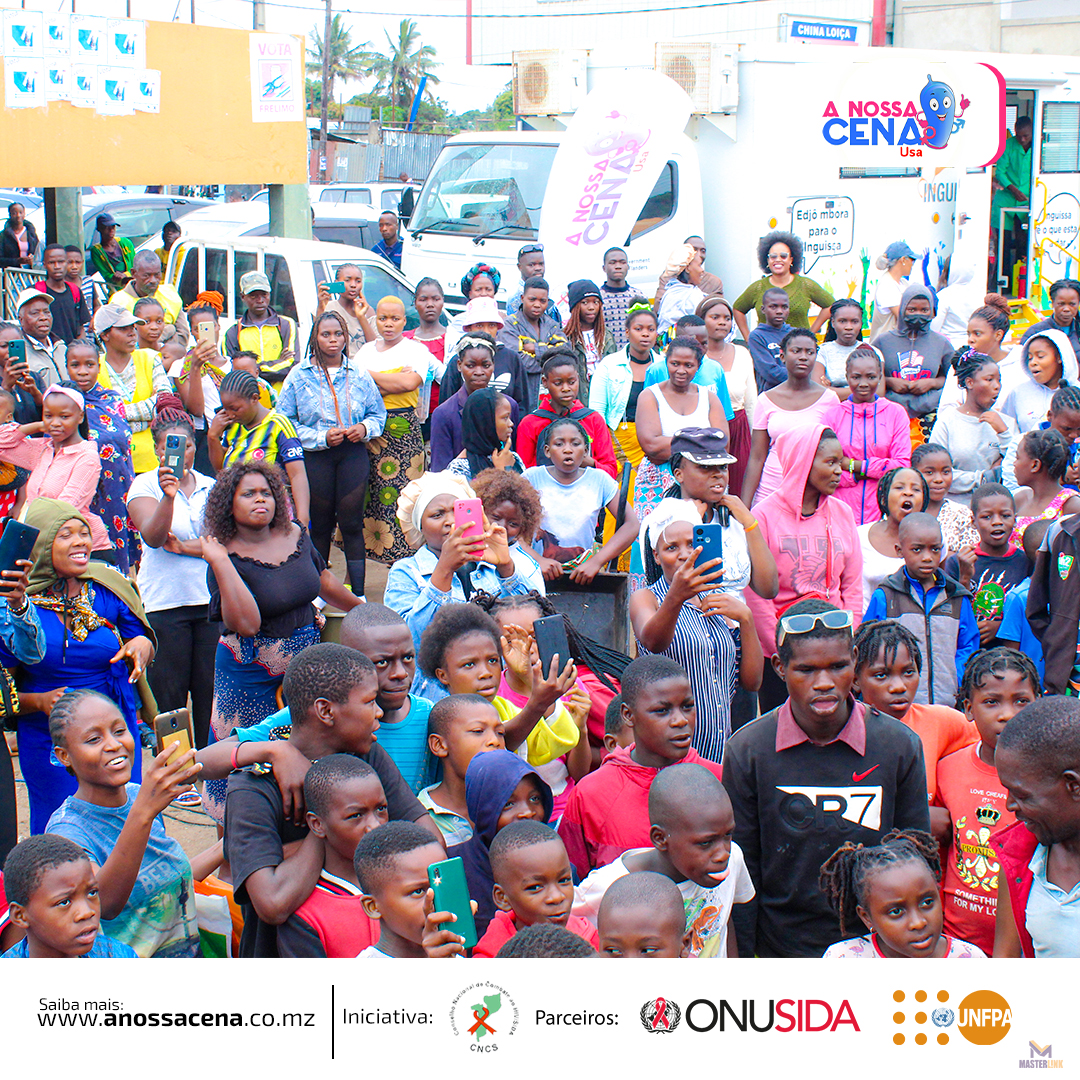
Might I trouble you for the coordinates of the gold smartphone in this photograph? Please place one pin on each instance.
(174, 729)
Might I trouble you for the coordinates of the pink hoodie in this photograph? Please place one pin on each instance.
(878, 436)
(816, 554)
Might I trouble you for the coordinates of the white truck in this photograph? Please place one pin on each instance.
(757, 154)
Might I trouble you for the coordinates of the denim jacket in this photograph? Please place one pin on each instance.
(410, 593)
(609, 388)
(306, 400)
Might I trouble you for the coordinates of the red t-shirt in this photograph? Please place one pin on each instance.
(975, 798)
(942, 731)
(531, 427)
(504, 926)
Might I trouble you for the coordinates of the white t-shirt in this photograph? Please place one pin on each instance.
(707, 910)
(875, 566)
(865, 948)
(372, 953)
(570, 510)
(211, 397)
(167, 580)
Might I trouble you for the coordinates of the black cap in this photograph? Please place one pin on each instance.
(577, 291)
(104, 221)
(702, 446)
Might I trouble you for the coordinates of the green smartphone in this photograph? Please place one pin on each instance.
(335, 287)
(447, 881)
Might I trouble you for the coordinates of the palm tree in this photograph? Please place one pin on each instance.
(347, 61)
(400, 69)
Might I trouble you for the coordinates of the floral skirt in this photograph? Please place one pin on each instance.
(398, 459)
(649, 486)
(247, 675)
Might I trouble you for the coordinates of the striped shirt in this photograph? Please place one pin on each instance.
(710, 652)
(272, 439)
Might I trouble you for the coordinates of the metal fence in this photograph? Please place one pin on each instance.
(410, 152)
(14, 281)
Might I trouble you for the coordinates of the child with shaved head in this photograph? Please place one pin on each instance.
(534, 883)
(642, 917)
(691, 832)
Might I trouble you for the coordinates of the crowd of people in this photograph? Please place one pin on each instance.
(851, 726)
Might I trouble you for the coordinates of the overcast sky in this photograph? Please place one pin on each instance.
(461, 86)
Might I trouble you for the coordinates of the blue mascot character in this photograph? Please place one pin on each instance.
(939, 108)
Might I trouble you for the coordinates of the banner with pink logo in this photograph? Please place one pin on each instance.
(610, 156)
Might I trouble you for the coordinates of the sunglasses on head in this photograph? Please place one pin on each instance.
(531, 249)
(792, 625)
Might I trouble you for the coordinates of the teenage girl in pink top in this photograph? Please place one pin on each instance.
(795, 405)
(65, 464)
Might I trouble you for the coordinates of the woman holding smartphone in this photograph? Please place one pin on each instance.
(167, 507)
(684, 613)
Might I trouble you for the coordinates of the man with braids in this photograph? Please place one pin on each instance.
(820, 771)
(146, 282)
(892, 889)
(997, 684)
(1038, 761)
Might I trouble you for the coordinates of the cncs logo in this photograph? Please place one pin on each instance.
(660, 1016)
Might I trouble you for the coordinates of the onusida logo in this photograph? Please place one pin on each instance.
(660, 1016)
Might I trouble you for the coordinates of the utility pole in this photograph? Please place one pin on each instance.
(323, 113)
(258, 15)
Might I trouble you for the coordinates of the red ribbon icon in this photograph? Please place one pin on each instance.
(480, 1022)
(661, 1017)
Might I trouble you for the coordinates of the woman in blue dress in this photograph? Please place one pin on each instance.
(111, 432)
(96, 637)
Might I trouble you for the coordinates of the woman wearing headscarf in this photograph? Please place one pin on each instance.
(478, 280)
(65, 464)
(109, 429)
(486, 427)
(780, 256)
(957, 301)
(97, 637)
(585, 330)
(915, 357)
(685, 613)
(447, 566)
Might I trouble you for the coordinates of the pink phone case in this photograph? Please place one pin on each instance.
(469, 512)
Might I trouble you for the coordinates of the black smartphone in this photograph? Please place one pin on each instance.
(550, 635)
(16, 351)
(17, 542)
(451, 893)
(175, 452)
(710, 539)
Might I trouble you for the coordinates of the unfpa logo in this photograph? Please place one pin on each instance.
(660, 1016)
(983, 1017)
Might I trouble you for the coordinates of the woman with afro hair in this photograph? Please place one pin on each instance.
(780, 256)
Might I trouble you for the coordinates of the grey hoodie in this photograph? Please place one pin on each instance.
(911, 355)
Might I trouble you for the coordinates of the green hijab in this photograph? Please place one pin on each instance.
(48, 516)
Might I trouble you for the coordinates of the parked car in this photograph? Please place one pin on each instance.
(295, 268)
(138, 217)
(380, 195)
(10, 195)
(355, 224)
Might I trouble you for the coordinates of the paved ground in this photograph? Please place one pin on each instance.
(192, 828)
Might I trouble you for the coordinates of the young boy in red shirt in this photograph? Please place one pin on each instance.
(533, 884)
(560, 383)
(345, 801)
(608, 810)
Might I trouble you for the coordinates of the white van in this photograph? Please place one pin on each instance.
(295, 269)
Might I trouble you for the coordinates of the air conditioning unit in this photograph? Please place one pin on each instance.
(548, 82)
(708, 73)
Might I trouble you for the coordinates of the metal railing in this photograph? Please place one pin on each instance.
(15, 279)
